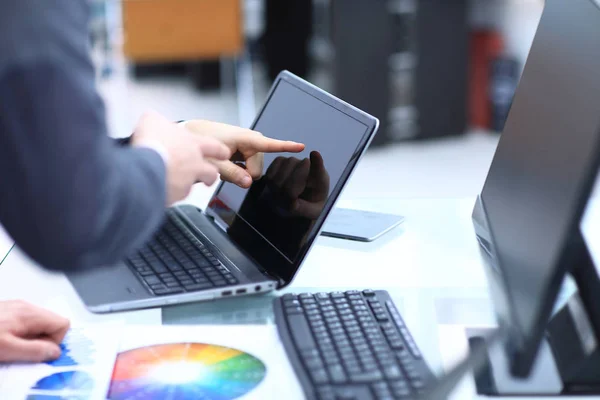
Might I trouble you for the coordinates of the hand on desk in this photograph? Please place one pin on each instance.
(247, 147)
(29, 333)
(303, 182)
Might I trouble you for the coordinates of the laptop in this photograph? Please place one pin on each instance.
(247, 241)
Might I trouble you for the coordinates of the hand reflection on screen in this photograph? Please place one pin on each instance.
(282, 206)
(304, 184)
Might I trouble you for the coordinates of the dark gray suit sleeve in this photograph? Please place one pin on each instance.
(70, 196)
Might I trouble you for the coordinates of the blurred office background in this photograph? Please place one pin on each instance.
(439, 74)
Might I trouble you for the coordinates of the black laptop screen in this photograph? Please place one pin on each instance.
(279, 216)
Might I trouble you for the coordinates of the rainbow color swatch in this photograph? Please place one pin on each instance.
(185, 371)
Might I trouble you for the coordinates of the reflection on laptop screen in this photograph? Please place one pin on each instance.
(275, 218)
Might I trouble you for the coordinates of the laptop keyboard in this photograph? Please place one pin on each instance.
(350, 345)
(175, 261)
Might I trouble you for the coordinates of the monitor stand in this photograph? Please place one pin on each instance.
(568, 362)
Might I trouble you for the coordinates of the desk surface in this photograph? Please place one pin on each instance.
(430, 265)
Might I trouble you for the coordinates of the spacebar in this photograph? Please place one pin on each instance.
(301, 332)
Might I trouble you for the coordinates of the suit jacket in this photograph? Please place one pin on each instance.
(70, 196)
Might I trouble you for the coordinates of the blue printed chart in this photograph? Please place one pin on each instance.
(53, 397)
(82, 371)
(77, 350)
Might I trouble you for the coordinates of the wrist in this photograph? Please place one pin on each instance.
(157, 147)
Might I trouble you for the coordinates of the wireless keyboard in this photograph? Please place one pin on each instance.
(350, 345)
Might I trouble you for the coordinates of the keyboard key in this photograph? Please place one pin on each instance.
(318, 329)
(314, 362)
(294, 310)
(166, 291)
(392, 372)
(382, 391)
(330, 355)
(353, 393)
(301, 332)
(368, 293)
(198, 286)
(220, 282)
(366, 377)
(172, 284)
(400, 388)
(417, 383)
(319, 375)
(381, 317)
(310, 301)
(185, 282)
(326, 393)
(291, 302)
(322, 296)
(147, 272)
(337, 374)
(152, 280)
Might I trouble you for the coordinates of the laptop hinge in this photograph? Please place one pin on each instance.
(213, 220)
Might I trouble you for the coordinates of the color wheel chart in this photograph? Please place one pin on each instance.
(185, 371)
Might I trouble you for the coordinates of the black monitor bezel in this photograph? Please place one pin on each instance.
(371, 126)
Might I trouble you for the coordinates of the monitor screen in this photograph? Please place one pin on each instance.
(542, 171)
(278, 217)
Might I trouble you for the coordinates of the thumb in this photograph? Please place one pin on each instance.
(233, 173)
(16, 349)
(318, 174)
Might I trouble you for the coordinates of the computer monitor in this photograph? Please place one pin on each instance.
(527, 215)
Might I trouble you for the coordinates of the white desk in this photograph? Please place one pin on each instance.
(431, 264)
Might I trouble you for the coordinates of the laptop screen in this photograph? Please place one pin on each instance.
(279, 216)
(540, 176)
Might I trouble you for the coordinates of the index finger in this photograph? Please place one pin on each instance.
(265, 144)
(41, 322)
